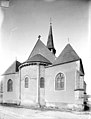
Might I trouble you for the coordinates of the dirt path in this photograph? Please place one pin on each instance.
(22, 113)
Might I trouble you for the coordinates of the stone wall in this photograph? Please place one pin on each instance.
(61, 96)
(11, 97)
(28, 95)
(79, 85)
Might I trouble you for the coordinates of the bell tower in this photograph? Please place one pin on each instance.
(50, 44)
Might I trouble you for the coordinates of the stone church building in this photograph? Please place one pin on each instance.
(45, 79)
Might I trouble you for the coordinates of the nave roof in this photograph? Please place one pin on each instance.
(14, 68)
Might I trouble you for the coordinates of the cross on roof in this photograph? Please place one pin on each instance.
(39, 37)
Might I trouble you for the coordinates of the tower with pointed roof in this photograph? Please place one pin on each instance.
(50, 43)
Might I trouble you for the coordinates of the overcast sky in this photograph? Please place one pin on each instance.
(24, 20)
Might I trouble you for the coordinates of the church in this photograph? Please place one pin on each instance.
(44, 79)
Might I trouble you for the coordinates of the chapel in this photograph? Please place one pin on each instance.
(44, 79)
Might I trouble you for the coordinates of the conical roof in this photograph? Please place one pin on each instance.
(13, 68)
(41, 49)
(39, 58)
(67, 55)
(50, 44)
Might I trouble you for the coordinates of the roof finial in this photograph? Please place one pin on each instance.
(39, 37)
(50, 21)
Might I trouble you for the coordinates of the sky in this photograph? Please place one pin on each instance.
(24, 20)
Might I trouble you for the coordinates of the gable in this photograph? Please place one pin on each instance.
(67, 55)
(40, 48)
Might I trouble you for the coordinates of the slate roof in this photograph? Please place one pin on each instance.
(13, 68)
(41, 49)
(81, 68)
(50, 43)
(67, 55)
(39, 58)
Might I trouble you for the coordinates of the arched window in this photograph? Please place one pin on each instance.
(10, 85)
(42, 82)
(59, 81)
(26, 82)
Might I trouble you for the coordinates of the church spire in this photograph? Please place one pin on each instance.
(50, 44)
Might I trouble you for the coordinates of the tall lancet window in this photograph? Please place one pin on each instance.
(59, 81)
(10, 85)
(26, 82)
